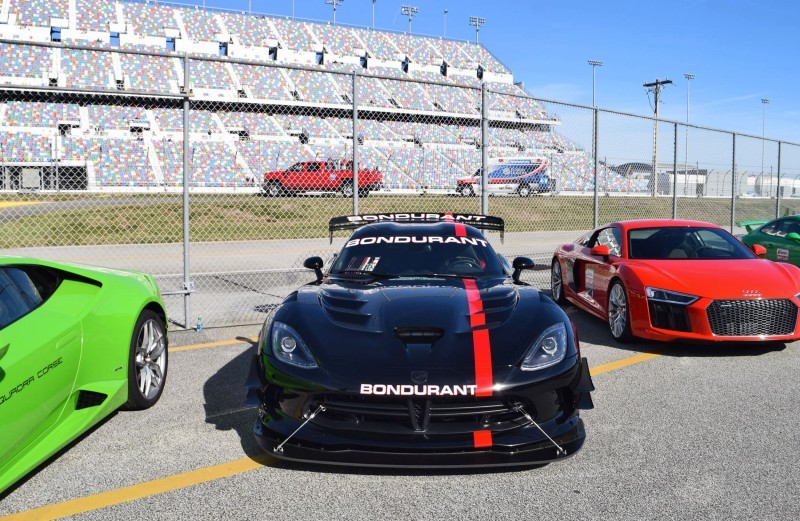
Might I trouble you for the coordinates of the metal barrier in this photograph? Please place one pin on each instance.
(219, 175)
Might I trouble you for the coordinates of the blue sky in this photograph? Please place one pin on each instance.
(740, 50)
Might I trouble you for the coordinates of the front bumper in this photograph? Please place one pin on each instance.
(356, 431)
(319, 448)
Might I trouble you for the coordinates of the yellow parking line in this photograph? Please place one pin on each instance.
(210, 344)
(10, 204)
(142, 490)
(619, 364)
(187, 479)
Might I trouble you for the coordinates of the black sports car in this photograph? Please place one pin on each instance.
(420, 347)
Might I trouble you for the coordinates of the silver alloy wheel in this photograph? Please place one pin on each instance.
(274, 190)
(524, 191)
(617, 311)
(347, 190)
(556, 281)
(150, 359)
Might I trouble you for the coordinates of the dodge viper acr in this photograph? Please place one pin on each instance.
(419, 347)
(677, 280)
(76, 343)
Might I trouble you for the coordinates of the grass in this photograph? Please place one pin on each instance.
(96, 219)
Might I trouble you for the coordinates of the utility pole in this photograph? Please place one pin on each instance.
(655, 87)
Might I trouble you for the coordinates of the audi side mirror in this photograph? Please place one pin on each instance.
(601, 250)
(760, 250)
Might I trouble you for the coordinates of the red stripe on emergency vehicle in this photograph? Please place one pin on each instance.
(481, 345)
(482, 439)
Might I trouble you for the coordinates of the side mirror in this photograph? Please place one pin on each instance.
(314, 263)
(760, 250)
(601, 250)
(793, 236)
(521, 263)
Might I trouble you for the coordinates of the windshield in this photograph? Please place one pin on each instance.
(685, 243)
(418, 256)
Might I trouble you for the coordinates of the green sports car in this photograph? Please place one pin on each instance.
(781, 238)
(76, 344)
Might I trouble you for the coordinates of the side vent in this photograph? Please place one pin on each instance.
(88, 399)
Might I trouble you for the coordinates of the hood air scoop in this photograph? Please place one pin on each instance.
(419, 341)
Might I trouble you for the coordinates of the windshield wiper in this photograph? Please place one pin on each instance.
(443, 276)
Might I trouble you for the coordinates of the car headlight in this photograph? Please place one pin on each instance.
(670, 297)
(288, 347)
(549, 349)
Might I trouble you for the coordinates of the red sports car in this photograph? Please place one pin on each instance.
(669, 280)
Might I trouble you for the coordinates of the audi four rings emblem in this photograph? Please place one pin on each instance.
(751, 293)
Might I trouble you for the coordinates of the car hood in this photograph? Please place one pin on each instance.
(397, 324)
(721, 279)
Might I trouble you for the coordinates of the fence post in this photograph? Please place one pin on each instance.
(733, 183)
(596, 202)
(778, 192)
(187, 280)
(355, 143)
(484, 150)
(675, 175)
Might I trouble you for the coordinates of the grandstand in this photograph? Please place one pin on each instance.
(266, 92)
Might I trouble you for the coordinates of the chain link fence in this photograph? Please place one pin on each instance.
(219, 175)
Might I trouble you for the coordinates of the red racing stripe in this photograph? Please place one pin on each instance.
(482, 439)
(481, 345)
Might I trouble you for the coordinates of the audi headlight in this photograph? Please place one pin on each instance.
(549, 349)
(670, 297)
(288, 347)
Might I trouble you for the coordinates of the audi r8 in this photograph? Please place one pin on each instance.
(419, 347)
(672, 279)
(76, 344)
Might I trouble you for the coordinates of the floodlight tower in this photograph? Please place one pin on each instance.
(689, 77)
(410, 11)
(477, 22)
(334, 4)
(764, 103)
(444, 33)
(595, 64)
(655, 87)
(373, 14)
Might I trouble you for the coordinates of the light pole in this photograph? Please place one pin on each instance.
(689, 77)
(373, 14)
(410, 11)
(334, 4)
(477, 22)
(595, 64)
(764, 103)
(444, 33)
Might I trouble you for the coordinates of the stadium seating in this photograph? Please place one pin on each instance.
(37, 114)
(278, 105)
(39, 12)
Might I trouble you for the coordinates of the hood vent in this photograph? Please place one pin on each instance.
(344, 307)
(418, 335)
(499, 304)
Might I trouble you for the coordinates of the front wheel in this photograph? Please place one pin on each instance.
(557, 282)
(524, 190)
(363, 192)
(147, 361)
(619, 315)
(347, 189)
(274, 189)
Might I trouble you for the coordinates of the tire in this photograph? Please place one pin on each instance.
(363, 192)
(274, 189)
(619, 313)
(147, 361)
(524, 190)
(347, 189)
(469, 191)
(557, 282)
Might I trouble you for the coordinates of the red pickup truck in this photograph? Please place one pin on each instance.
(321, 176)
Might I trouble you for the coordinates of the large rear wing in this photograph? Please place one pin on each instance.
(751, 225)
(482, 222)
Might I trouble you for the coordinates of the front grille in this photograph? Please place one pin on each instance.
(430, 416)
(669, 316)
(752, 317)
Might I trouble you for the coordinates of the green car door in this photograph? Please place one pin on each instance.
(40, 343)
(780, 237)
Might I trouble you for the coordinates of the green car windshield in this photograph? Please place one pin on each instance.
(686, 242)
